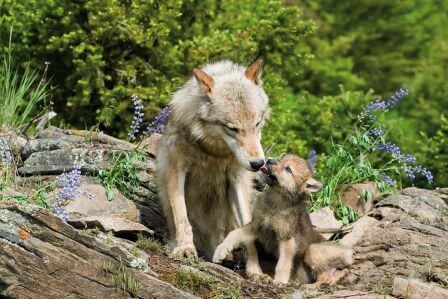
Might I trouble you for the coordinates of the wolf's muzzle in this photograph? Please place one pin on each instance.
(256, 165)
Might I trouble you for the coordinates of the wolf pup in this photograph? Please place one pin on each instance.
(209, 154)
(283, 227)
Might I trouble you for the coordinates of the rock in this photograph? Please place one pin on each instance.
(151, 144)
(413, 288)
(324, 219)
(82, 206)
(358, 229)
(63, 160)
(354, 197)
(119, 226)
(413, 206)
(429, 197)
(42, 257)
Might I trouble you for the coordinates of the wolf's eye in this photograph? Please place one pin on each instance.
(288, 169)
(233, 129)
(258, 124)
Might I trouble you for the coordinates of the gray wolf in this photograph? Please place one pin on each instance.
(209, 154)
(283, 227)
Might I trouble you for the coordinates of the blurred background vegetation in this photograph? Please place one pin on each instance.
(324, 60)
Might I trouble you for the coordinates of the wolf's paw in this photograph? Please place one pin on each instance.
(185, 251)
(220, 254)
(260, 277)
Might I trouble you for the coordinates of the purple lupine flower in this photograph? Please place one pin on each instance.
(5, 152)
(380, 105)
(60, 211)
(68, 183)
(312, 160)
(376, 132)
(159, 122)
(394, 149)
(397, 96)
(138, 117)
(387, 179)
(424, 172)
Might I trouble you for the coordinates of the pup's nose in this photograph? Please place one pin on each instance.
(257, 164)
(270, 161)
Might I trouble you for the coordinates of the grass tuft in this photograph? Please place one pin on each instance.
(124, 280)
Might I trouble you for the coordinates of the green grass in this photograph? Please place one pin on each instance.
(194, 280)
(20, 93)
(151, 245)
(124, 280)
(122, 175)
(107, 267)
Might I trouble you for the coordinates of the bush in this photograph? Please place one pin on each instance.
(101, 53)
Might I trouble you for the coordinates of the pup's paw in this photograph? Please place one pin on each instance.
(185, 251)
(260, 277)
(220, 254)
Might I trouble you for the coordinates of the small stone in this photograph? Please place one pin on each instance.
(413, 288)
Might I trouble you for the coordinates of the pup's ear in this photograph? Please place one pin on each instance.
(205, 81)
(253, 71)
(312, 185)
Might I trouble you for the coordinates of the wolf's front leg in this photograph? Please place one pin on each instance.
(235, 238)
(287, 250)
(240, 199)
(175, 188)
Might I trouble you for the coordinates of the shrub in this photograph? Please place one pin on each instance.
(102, 52)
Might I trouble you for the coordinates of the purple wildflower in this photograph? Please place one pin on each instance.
(159, 122)
(60, 211)
(424, 172)
(68, 183)
(380, 105)
(393, 149)
(312, 160)
(376, 132)
(387, 179)
(138, 117)
(5, 152)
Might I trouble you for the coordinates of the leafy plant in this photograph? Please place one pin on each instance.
(366, 155)
(123, 173)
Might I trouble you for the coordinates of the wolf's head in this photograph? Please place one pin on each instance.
(232, 109)
(290, 175)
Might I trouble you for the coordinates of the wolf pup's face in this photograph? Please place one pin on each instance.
(290, 173)
(236, 110)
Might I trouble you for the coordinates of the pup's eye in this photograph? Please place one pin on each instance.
(258, 124)
(288, 169)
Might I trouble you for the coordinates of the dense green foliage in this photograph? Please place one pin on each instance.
(321, 66)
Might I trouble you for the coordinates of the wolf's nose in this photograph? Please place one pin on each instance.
(257, 164)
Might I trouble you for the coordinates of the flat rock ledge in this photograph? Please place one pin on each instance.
(401, 245)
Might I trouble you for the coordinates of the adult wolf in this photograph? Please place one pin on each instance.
(209, 153)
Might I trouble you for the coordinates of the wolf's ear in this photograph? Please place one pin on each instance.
(253, 71)
(312, 185)
(205, 81)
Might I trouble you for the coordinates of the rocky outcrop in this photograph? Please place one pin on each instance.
(401, 249)
(400, 243)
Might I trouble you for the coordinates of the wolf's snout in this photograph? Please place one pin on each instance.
(256, 165)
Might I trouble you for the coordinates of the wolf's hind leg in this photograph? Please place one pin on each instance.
(325, 259)
(242, 235)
